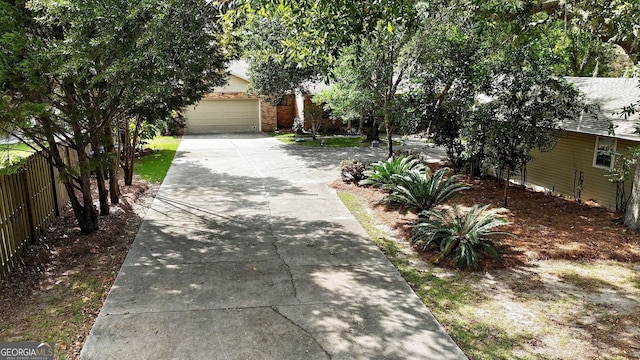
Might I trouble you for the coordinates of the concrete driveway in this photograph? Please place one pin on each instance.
(246, 253)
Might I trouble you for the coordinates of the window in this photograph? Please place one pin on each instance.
(603, 156)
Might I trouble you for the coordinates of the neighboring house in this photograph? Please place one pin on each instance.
(577, 166)
(232, 108)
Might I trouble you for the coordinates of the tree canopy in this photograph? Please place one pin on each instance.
(74, 69)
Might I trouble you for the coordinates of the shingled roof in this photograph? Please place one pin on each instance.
(611, 94)
(239, 68)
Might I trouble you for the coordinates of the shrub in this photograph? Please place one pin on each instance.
(419, 191)
(415, 154)
(352, 171)
(460, 233)
(382, 172)
(173, 125)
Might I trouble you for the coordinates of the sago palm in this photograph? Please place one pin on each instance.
(382, 172)
(454, 231)
(419, 191)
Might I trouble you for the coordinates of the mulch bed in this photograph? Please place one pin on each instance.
(545, 226)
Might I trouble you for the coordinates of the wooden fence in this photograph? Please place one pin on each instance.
(29, 200)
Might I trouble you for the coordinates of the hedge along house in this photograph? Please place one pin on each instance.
(233, 109)
(584, 155)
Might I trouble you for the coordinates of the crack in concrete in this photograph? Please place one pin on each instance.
(277, 311)
(270, 223)
(277, 251)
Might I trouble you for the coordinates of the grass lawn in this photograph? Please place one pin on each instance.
(326, 141)
(154, 167)
(11, 154)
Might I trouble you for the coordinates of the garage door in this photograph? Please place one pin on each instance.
(223, 115)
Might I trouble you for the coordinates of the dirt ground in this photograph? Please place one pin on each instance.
(58, 289)
(545, 227)
(568, 286)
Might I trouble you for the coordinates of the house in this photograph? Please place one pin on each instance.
(233, 108)
(578, 164)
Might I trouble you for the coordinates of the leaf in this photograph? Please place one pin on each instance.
(389, 27)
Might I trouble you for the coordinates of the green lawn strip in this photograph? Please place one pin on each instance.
(325, 141)
(450, 297)
(154, 167)
(11, 155)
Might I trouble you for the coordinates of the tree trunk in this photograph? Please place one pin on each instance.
(85, 213)
(102, 191)
(632, 215)
(372, 132)
(130, 144)
(112, 156)
(99, 160)
(388, 129)
(506, 187)
(87, 217)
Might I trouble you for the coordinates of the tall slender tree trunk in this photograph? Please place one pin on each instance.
(506, 187)
(112, 155)
(84, 212)
(100, 159)
(132, 144)
(632, 215)
(102, 191)
(388, 129)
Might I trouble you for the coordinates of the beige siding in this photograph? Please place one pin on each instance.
(234, 85)
(559, 170)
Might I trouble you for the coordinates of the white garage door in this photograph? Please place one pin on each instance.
(223, 115)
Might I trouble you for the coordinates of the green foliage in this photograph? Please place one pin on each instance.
(454, 231)
(352, 171)
(382, 172)
(147, 131)
(272, 70)
(173, 125)
(72, 71)
(418, 191)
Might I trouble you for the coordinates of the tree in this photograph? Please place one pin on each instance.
(366, 87)
(485, 89)
(614, 21)
(316, 33)
(453, 71)
(632, 213)
(272, 72)
(347, 98)
(525, 112)
(80, 68)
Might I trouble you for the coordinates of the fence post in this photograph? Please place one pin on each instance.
(7, 248)
(29, 206)
(54, 187)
